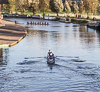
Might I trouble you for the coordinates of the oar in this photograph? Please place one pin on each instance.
(32, 57)
(69, 56)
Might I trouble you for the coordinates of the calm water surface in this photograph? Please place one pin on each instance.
(77, 66)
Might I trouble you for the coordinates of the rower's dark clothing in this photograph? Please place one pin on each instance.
(49, 53)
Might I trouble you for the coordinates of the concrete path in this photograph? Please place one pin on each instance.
(11, 34)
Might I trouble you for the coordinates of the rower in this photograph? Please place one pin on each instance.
(27, 23)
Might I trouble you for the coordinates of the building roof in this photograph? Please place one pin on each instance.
(4, 2)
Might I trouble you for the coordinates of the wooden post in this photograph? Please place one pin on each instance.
(0, 55)
(48, 16)
(0, 15)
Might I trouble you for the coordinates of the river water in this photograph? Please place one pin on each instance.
(77, 64)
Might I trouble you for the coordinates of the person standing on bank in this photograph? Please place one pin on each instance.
(15, 21)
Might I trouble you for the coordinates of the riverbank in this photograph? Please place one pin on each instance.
(10, 33)
(76, 20)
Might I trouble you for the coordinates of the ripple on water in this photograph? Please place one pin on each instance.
(66, 26)
(27, 62)
(68, 74)
(56, 26)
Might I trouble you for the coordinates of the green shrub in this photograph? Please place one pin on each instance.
(79, 21)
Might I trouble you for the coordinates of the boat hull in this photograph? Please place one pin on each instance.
(50, 61)
(94, 27)
(94, 24)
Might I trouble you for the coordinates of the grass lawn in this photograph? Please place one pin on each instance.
(46, 13)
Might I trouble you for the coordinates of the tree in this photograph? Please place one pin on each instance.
(47, 3)
(98, 9)
(81, 7)
(56, 6)
(75, 7)
(11, 6)
(67, 7)
(94, 6)
(43, 5)
(90, 6)
(34, 6)
(21, 5)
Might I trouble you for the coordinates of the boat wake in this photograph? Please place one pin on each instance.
(27, 62)
(32, 60)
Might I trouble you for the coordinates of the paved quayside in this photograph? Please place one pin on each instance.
(10, 34)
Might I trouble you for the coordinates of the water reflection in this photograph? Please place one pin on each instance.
(88, 36)
(80, 34)
(98, 35)
(50, 66)
(4, 56)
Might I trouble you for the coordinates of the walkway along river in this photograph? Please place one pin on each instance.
(10, 35)
(77, 63)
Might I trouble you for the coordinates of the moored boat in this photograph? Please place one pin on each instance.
(94, 24)
(62, 19)
(65, 20)
(36, 16)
